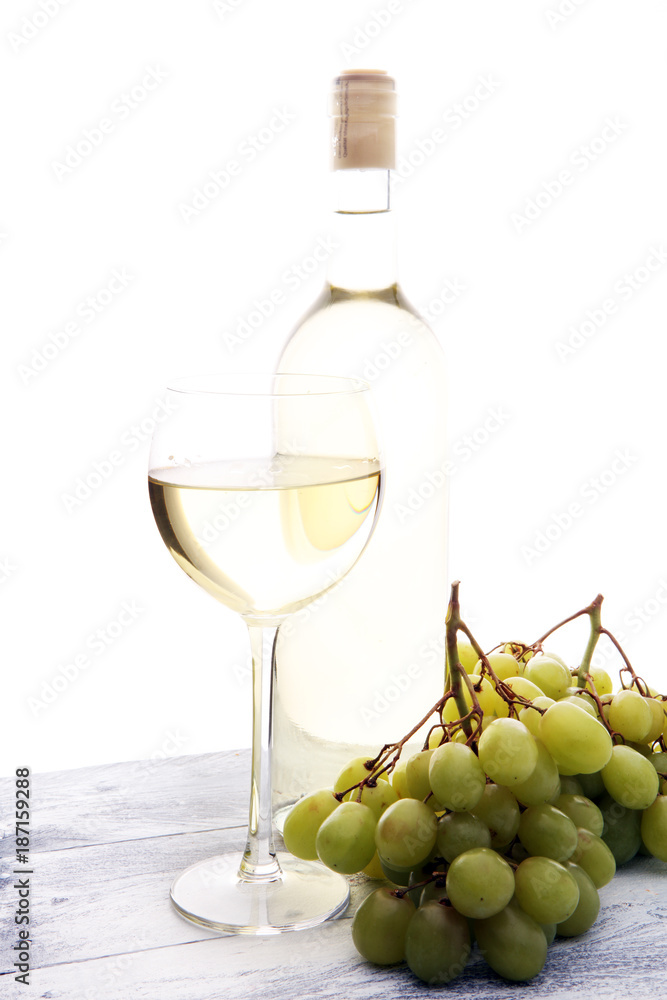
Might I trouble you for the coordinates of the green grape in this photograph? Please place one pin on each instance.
(416, 774)
(641, 748)
(399, 779)
(416, 881)
(305, 819)
(517, 852)
(456, 777)
(578, 743)
(346, 839)
(437, 944)
(459, 832)
(549, 932)
(354, 772)
(571, 785)
(621, 829)
(434, 891)
(380, 925)
(507, 751)
(546, 890)
(374, 868)
(512, 943)
(436, 738)
(485, 693)
(542, 784)
(377, 797)
(503, 665)
(499, 810)
(467, 655)
(659, 761)
(630, 716)
(602, 681)
(551, 677)
(588, 906)
(406, 833)
(630, 778)
(606, 701)
(399, 876)
(555, 656)
(595, 857)
(581, 811)
(525, 688)
(547, 832)
(581, 702)
(643, 850)
(657, 719)
(590, 785)
(636, 686)
(479, 883)
(583, 696)
(516, 649)
(531, 717)
(654, 828)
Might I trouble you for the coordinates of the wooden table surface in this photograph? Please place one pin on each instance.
(108, 840)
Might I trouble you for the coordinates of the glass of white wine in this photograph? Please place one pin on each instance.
(266, 490)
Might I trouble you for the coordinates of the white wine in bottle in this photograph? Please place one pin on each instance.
(360, 666)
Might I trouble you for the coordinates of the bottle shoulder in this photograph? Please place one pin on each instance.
(365, 316)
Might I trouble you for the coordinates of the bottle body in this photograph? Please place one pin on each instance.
(362, 665)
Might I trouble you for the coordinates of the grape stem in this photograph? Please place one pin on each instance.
(566, 621)
(593, 611)
(502, 689)
(455, 623)
(454, 669)
(456, 677)
(400, 893)
(373, 765)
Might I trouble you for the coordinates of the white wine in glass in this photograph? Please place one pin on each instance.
(266, 490)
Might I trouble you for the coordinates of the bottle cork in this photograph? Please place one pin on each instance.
(363, 110)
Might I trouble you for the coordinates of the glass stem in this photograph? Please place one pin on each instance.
(259, 862)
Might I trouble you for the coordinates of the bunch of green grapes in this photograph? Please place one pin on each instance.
(505, 826)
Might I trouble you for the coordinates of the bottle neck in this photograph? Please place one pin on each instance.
(363, 230)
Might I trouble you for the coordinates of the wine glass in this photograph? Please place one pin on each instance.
(265, 489)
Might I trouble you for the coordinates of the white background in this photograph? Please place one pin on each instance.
(176, 680)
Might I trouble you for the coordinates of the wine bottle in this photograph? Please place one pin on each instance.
(358, 666)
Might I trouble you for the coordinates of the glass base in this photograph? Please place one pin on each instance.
(213, 895)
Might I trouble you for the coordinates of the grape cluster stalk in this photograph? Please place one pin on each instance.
(535, 782)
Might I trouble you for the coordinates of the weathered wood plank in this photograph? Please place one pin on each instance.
(621, 957)
(116, 802)
(123, 888)
(103, 927)
(112, 900)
